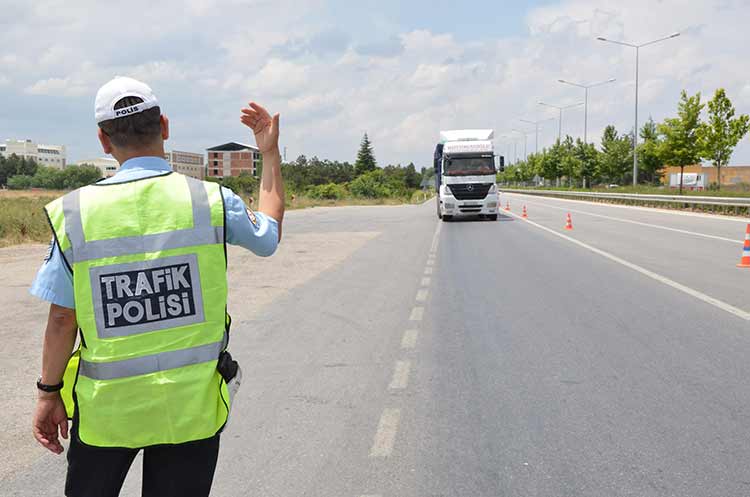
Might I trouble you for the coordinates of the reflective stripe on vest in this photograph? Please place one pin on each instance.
(202, 233)
(151, 363)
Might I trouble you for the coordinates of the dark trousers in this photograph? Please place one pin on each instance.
(184, 470)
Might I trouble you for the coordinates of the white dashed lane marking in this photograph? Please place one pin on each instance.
(428, 270)
(417, 314)
(422, 294)
(400, 375)
(425, 281)
(385, 437)
(409, 341)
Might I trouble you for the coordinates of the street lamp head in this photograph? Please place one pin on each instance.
(611, 80)
(674, 35)
(601, 38)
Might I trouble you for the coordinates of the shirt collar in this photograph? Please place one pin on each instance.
(150, 163)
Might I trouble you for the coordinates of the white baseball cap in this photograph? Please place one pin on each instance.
(118, 88)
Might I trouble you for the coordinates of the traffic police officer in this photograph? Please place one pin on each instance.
(137, 265)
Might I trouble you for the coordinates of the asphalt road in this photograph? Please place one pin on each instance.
(488, 359)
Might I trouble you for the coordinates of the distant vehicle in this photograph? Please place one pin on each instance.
(613, 185)
(465, 174)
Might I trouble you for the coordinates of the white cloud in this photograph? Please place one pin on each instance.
(331, 83)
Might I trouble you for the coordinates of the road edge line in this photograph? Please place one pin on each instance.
(655, 276)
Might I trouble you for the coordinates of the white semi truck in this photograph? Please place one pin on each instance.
(465, 174)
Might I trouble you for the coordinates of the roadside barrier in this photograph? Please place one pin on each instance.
(569, 222)
(739, 206)
(745, 261)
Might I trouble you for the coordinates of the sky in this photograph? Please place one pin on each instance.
(335, 69)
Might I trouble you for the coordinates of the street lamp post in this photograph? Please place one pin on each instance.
(586, 101)
(637, 56)
(523, 133)
(536, 129)
(560, 109)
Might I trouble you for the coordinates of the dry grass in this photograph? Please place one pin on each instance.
(22, 219)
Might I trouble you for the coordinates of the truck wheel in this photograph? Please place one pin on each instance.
(492, 217)
(440, 216)
(446, 218)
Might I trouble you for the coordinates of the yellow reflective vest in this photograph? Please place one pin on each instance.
(149, 271)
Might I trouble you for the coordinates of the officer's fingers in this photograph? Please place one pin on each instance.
(64, 428)
(275, 122)
(249, 112)
(260, 110)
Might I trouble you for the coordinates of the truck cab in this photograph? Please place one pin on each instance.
(465, 174)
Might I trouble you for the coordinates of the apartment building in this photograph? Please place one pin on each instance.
(187, 163)
(106, 165)
(44, 155)
(232, 159)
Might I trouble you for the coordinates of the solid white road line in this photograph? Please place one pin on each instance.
(400, 375)
(425, 281)
(654, 210)
(382, 444)
(416, 314)
(661, 279)
(422, 295)
(410, 339)
(428, 270)
(639, 223)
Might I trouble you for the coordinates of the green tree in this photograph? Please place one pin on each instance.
(365, 157)
(589, 157)
(570, 165)
(616, 155)
(722, 132)
(81, 175)
(372, 184)
(649, 160)
(680, 145)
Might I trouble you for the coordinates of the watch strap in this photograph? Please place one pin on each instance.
(48, 388)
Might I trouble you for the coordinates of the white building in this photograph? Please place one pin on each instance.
(44, 155)
(106, 165)
(187, 163)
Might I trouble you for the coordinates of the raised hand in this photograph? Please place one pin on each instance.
(265, 127)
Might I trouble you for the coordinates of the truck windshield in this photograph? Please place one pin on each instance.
(464, 166)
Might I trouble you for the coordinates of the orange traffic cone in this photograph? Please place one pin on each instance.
(507, 206)
(569, 223)
(524, 215)
(745, 261)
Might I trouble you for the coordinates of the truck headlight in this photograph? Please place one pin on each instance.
(446, 190)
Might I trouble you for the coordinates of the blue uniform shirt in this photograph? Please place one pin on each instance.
(54, 282)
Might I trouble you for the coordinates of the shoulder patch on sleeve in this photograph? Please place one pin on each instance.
(251, 216)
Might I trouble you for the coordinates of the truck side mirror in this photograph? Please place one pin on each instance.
(502, 163)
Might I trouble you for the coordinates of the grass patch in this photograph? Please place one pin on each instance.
(22, 218)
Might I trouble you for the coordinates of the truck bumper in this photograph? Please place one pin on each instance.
(450, 206)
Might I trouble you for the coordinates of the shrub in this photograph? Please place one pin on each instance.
(330, 191)
(372, 184)
(19, 182)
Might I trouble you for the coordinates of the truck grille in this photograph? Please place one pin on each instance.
(470, 191)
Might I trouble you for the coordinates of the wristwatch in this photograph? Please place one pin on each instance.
(48, 388)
